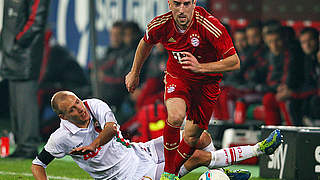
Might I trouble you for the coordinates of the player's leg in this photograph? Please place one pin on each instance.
(199, 158)
(176, 101)
(199, 112)
(205, 142)
(176, 108)
(228, 156)
(188, 144)
(156, 146)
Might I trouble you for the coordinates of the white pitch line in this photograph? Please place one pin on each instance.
(29, 174)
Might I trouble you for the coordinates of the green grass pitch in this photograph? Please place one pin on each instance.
(66, 169)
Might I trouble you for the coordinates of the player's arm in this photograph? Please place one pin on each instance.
(142, 52)
(39, 172)
(40, 163)
(228, 64)
(222, 43)
(108, 132)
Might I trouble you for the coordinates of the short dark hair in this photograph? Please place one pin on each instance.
(134, 27)
(271, 22)
(255, 24)
(57, 98)
(118, 24)
(240, 30)
(313, 31)
(275, 30)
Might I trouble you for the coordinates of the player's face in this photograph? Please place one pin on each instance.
(240, 40)
(182, 11)
(74, 111)
(116, 37)
(308, 43)
(275, 43)
(253, 36)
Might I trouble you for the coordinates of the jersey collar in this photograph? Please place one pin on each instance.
(72, 127)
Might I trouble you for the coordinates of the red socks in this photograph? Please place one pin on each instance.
(183, 153)
(171, 139)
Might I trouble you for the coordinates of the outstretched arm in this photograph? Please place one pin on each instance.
(108, 132)
(39, 173)
(142, 52)
(228, 64)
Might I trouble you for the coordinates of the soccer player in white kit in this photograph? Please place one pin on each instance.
(105, 154)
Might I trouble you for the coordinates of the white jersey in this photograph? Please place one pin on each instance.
(114, 160)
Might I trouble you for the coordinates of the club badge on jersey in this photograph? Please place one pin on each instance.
(194, 39)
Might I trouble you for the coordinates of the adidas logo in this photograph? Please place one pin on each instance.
(171, 40)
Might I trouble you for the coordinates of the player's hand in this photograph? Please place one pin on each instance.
(132, 81)
(82, 150)
(190, 62)
(283, 92)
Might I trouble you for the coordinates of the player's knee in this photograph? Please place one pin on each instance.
(205, 140)
(191, 141)
(200, 157)
(176, 119)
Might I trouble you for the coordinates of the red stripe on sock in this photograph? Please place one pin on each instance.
(227, 156)
(232, 155)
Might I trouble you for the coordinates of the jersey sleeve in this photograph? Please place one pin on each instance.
(101, 111)
(37, 161)
(220, 38)
(55, 148)
(152, 34)
(43, 159)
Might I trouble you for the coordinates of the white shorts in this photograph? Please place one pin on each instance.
(155, 149)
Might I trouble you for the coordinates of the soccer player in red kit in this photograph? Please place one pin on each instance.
(199, 49)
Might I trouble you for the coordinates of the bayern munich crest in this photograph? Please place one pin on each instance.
(195, 40)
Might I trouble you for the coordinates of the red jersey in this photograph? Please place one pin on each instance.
(206, 38)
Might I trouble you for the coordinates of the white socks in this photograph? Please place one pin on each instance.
(209, 148)
(256, 150)
(227, 156)
(183, 171)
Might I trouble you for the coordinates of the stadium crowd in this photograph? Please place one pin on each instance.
(277, 84)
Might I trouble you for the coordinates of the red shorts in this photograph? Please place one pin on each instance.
(199, 97)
